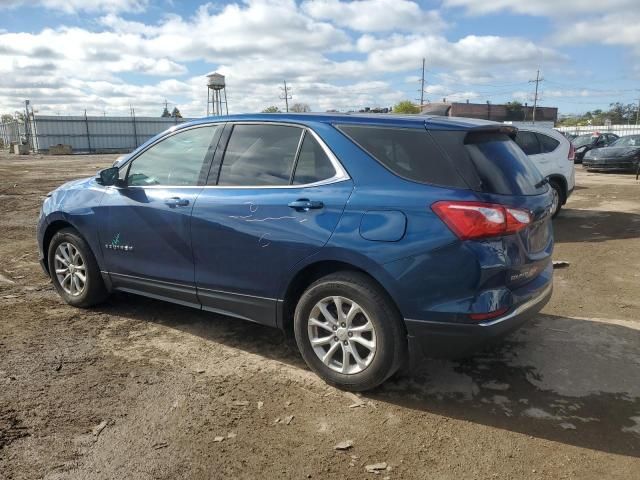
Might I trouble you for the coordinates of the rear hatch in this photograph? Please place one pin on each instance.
(494, 167)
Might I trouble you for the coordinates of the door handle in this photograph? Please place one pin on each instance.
(304, 204)
(176, 202)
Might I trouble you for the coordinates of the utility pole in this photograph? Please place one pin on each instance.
(535, 97)
(422, 86)
(286, 95)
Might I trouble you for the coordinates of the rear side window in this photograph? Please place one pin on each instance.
(502, 167)
(547, 143)
(410, 153)
(313, 163)
(260, 155)
(528, 142)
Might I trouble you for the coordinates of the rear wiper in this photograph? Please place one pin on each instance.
(542, 183)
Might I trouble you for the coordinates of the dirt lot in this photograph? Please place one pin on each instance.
(142, 389)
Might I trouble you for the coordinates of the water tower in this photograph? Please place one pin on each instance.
(216, 95)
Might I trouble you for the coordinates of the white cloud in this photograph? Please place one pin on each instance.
(74, 6)
(257, 44)
(620, 28)
(551, 8)
(375, 15)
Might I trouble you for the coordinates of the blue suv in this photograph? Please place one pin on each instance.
(375, 240)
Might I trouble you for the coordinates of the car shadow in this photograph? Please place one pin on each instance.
(577, 225)
(568, 380)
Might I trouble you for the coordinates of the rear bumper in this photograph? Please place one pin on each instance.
(454, 340)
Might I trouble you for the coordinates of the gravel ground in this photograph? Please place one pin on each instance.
(146, 390)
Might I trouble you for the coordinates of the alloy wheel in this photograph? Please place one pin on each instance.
(555, 201)
(70, 269)
(342, 335)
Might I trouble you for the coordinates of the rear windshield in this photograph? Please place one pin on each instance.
(410, 153)
(583, 140)
(502, 166)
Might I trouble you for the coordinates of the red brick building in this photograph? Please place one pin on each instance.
(490, 111)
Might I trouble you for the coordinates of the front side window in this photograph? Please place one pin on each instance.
(260, 155)
(175, 161)
(313, 163)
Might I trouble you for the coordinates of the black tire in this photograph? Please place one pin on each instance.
(94, 291)
(391, 347)
(561, 196)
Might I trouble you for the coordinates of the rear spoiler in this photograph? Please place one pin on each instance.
(475, 132)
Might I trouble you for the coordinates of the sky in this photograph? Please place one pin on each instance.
(104, 56)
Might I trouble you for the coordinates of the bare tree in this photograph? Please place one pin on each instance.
(300, 108)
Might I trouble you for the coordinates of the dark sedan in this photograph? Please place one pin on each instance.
(586, 143)
(621, 155)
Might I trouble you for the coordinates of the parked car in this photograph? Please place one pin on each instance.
(567, 135)
(584, 143)
(374, 239)
(621, 155)
(553, 154)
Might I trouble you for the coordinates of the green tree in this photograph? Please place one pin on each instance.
(6, 118)
(514, 111)
(406, 106)
(300, 108)
(271, 109)
(176, 113)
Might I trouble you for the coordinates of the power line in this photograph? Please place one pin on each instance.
(286, 95)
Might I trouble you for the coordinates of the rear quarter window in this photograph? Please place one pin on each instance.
(528, 142)
(547, 143)
(410, 153)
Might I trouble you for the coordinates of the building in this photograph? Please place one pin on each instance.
(490, 111)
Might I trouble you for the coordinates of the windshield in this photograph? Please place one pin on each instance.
(628, 141)
(582, 140)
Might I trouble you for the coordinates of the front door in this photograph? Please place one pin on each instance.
(279, 196)
(145, 225)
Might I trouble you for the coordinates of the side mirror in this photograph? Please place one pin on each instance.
(109, 176)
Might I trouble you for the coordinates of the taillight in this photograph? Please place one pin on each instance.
(472, 220)
(572, 152)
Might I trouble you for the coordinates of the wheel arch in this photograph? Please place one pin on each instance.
(313, 271)
(560, 180)
(53, 228)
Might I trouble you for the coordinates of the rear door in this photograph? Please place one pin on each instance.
(547, 160)
(276, 199)
(531, 145)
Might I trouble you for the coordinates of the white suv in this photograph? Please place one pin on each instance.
(553, 154)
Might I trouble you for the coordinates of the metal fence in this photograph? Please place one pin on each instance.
(619, 130)
(86, 134)
(11, 132)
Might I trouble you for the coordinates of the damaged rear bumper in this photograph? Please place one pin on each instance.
(455, 340)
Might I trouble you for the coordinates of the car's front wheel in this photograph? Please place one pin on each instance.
(74, 270)
(349, 332)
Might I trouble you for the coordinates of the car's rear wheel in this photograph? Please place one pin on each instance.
(558, 198)
(74, 270)
(349, 332)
